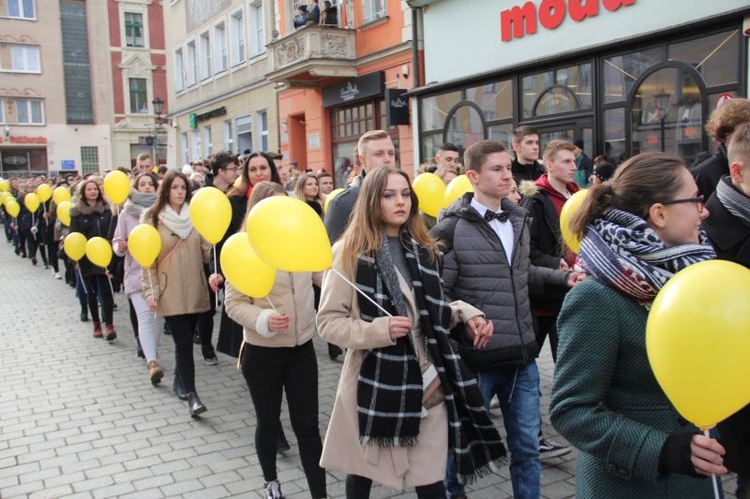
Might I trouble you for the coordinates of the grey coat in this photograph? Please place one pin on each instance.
(476, 270)
(340, 209)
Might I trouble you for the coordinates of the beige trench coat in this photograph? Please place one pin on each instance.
(339, 323)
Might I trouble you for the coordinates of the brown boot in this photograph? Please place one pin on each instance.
(155, 372)
(109, 332)
(97, 329)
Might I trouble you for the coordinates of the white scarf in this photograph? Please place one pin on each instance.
(179, 223)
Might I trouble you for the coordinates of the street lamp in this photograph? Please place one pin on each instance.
(158, 108)
(662, 104)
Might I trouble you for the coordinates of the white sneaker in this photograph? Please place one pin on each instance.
(273, 490)
(57, 275)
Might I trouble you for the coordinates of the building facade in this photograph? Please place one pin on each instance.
(138, 65)
(217, 62)
(54, 107)
(340, 80)
(625, 76)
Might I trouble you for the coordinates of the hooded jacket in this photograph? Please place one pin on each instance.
(477, 271)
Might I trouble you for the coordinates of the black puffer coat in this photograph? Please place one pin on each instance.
(92, 221)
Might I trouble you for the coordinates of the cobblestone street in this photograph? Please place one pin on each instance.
(79, 417)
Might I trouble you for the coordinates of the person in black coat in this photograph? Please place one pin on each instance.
(91, 216)
(720, 127)
(728, 229)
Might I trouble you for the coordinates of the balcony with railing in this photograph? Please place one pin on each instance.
(313, 53)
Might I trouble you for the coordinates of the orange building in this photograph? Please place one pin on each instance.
(342, 80)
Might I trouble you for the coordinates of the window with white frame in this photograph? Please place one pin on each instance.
(226, 131)
(192, 64)
(2, 112)
(208, 148)
(244, 127)
(184, 148)
(205, 46)
(133, 29)
(237, 20)
(138, 95)
(261, 126)
(25, 59)
(257, 28)
(372, 10)
(29, 112)
(195, 145)
(23, 9)
(179, 71)
(220, 46)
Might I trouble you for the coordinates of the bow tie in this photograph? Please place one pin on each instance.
(491, 215)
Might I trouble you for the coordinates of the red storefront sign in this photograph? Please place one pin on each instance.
(519, 21)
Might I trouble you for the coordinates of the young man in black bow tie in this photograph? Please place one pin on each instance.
(487, 263)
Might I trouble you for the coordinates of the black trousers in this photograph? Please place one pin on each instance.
(97, 285)
(544, 326)
(205, 326)
(358, 487)
(268, 372)
(182, 327)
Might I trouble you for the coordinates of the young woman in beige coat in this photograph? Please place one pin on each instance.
(278, 355)
(175, 285)
(404, 399)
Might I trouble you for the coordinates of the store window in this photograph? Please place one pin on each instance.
(714, 57)
(666, 114)
(133, 29)
(89, 159)
(465, 127)
(621, 72)
(138, 95)
(435, 110)
(558, 91)
(494, 99)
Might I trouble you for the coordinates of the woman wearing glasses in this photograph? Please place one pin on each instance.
(638, 231)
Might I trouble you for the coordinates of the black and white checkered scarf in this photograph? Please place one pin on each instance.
(733, 200)
(389, 392)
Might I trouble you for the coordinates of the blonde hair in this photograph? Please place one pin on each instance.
(370, 136)
(363, 235)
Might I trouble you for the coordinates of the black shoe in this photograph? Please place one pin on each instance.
(195, 405)
(33, 260)
(196, 339)
(334, 351)
(179, 390)
(84, 316)
(281, 443)
(166, 329)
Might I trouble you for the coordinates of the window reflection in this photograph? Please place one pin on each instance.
(495, 99)
(465, 127)
(620, 72)
(714, 56)
(435, 109)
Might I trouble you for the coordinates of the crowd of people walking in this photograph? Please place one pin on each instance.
(437, 322)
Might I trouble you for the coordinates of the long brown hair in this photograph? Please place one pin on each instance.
(299, 187)
(82, 193)
(638, 183)
(363, 235)
(244, 186)
(162, 195)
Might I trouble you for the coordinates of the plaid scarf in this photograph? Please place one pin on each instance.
(624, 252)
(389, 392)
(733, 200)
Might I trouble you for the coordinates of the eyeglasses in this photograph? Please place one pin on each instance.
(699, 202)
(231, 168)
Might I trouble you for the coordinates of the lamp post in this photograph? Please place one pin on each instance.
(158, 108)
(662, 104)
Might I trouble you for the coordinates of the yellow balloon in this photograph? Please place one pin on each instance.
(12, 207)
(31, 201)
(330, 197)
(698, 343)
(238, 181)
(457, 188)
(144, 244)
(4, 185)
(99, 251)
(63, 212)
(61, 194)
(116, 187)
(571, 206)
(288, 235)
(244, 269)
(211, 213)
(430, 190)
(74, 245)
(44, 191)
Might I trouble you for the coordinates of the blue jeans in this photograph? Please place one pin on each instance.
(517, 388)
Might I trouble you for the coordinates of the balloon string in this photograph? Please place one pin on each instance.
(111, 288)
(272, 305)
(714, 479)
(216, 271)
(350, 283)
(83, 283)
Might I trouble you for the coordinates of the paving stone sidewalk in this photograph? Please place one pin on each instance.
(80, 418)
